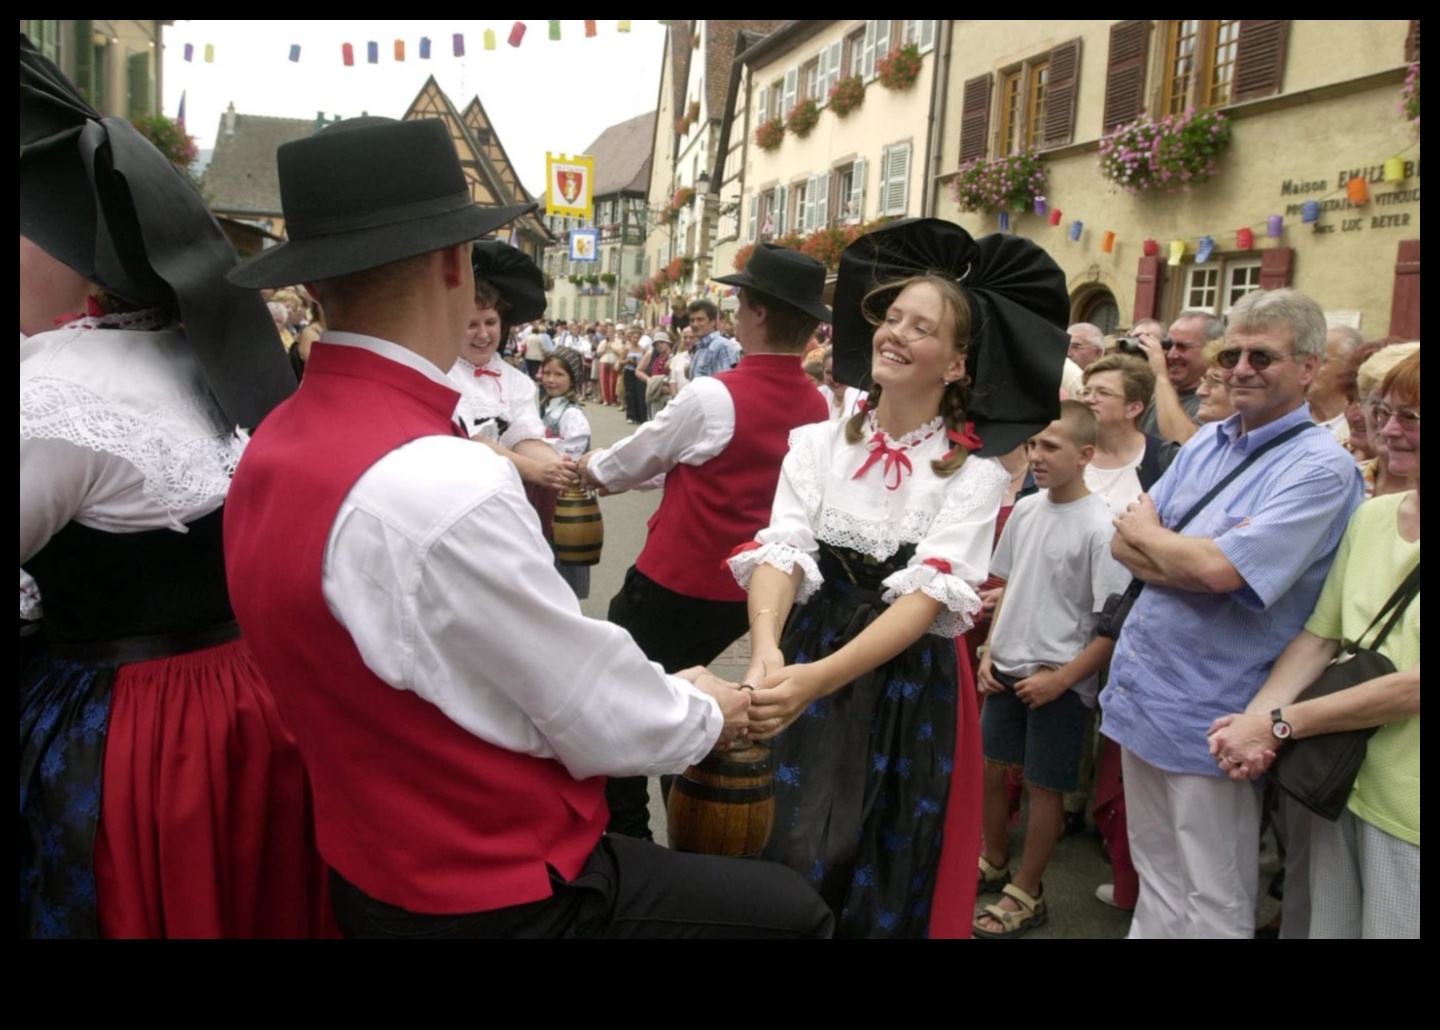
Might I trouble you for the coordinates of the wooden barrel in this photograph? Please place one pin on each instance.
(578, 529)
(725, 805)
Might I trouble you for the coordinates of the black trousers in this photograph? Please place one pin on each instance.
(678, 632)
(628, 889)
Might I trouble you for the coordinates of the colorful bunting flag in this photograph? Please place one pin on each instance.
(517, 33)
(347, 54)
(424, 48)
(295, 52)
(189, 51)
(457, 44)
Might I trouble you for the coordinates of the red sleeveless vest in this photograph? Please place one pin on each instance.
(409, 807)
(709, 509)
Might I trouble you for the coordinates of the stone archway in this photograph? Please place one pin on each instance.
(1094, 303)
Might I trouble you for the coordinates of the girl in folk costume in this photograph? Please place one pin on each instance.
(568, 430)
(159, 793)
(880, 534)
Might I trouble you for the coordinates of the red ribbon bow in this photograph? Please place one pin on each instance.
(486, 372)
(896, 463)
(967, 439)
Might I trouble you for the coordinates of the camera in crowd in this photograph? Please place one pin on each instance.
(1130, 345)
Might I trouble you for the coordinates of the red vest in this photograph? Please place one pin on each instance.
(409, 807)
(709, 509)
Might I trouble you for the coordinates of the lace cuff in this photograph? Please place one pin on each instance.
(936, 580)
(781, 556)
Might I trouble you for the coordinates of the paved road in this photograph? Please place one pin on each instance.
(1078, 865)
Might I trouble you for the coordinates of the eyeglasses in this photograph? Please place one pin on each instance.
(1259, 360)
(1408, 418)
(1098, 392)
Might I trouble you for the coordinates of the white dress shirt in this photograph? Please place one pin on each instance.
(694, 427)
(437, 568)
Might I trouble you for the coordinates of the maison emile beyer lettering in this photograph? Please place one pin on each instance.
(1374, 174)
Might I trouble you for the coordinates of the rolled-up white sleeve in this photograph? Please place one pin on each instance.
(694, 427)
(437, 568)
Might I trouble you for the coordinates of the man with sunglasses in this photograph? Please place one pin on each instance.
(1222, 600)
(1178, 360)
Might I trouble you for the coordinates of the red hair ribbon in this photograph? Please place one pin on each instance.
(967, 439)
(939, 564)
(896, 463)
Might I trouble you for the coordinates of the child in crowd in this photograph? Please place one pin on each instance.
(1042, 661)
(567, 428)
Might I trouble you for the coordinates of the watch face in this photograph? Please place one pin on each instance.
(1281, 729)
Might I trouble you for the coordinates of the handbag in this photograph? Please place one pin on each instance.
(1319, 772)
(1117, 606)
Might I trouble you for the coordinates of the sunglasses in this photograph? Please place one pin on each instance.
(1259, 360)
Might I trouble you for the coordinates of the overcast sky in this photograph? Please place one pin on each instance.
(543, 95)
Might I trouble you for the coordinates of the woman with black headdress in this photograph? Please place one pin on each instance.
(880, 533)
(160, 795)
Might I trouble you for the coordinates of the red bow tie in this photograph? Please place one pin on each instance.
(896, 463)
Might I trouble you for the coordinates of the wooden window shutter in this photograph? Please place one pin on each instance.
(1412, 44)
(857, 190)
(1060, 94)
(792, 82)
(1276, 265)
(1405, 302)
(1148, 279)
(1125, 77)
(821, 188)
(1260, 58)
(754, 217)
(975, 118)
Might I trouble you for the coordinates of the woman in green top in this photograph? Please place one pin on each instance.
(1365, 868)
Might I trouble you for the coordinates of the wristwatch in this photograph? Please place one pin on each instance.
(1279, 728)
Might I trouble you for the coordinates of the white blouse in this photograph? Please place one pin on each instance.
(951, 520)
(499, 390)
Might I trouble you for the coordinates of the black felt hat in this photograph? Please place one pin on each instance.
(1020, 311)
(99, 198)
(511, 272)
(366, 192)
(787, 275)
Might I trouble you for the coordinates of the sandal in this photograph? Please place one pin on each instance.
(993, 878)
(1031, 913)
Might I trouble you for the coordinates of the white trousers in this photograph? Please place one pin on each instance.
(1195, 841)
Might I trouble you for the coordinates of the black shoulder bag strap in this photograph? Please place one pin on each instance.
(1395, 607)
(1115, 613)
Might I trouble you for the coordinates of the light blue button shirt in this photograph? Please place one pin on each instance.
(713, 353)
(1184, 659)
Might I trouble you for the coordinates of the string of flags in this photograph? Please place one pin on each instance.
(398, 50)
(1356, 190)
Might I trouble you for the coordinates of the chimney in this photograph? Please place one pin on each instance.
(230, 119)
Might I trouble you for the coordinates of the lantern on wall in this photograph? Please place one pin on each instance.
(517, 33)
(1245, 239)
(1177, 252)
(1395, 169)
(1358, 190)
(1310, 211)
(489, 39)
(1107, 243)
(1273, 225)
(1055, 215)
(1076, 228)
(1040, 205)
(1150, 248)
(1004, 221)
(1205, 250)
(590, 30)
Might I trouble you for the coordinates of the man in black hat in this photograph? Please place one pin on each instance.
(456, 712)
(719, 443)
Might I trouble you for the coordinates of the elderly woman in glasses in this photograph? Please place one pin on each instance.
(1380, 477)
(1364, 868)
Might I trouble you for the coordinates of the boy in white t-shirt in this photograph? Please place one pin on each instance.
(1040, 670)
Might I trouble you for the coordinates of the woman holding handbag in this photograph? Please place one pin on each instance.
(1365, 867)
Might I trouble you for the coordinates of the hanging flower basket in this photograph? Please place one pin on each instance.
(770, 134)
(682, 199)
(899, 69)
(170, 139)
(608, 278)
(827, 244)
(846, 95)
(1003, 184)
(692, 113)
(803, 117)
(742, 257)
(1410, 97)
(592, 279)
(1170, 154)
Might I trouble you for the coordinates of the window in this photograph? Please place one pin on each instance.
(810, 80)
(774, 96)
(1212, 63)
(853, 61)
(1022, 107)
(1217, 285)
(799, 217)
(894, 179)
(1034, 105)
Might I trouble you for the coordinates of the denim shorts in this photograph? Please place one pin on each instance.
(1047, 741)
